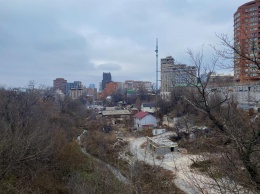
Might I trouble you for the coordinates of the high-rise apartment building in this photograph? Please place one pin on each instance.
(92, 86)
(166, 64)
(175, 75)
(106, 79)
(136, 85)
(60, 83)
(247, 41)
(74, 89)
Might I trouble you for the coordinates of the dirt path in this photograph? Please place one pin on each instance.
(116, 172)
(186, 180)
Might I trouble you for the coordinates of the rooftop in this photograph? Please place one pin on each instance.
(115, 112)
(148, 104)
(141, 115)
(162, 141)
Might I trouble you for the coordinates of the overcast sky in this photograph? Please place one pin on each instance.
(41, 40)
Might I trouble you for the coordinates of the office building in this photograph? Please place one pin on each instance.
(106, 79)
(247, 41)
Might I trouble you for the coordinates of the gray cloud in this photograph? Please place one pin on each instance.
(78, 40)
(109, 67)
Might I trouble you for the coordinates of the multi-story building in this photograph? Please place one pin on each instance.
(74, 89)
(121, 86)
(247, 41)
(129, 85)
(60, 84)
(136, 85)
(92, 86)
(92, 92)
(175, 75)
(110, 88)
(166, 64)
(75, 93)
(106, 79)
(220, 80)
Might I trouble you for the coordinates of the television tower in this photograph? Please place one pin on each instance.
(156, 51)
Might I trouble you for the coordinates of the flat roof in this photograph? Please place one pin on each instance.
(115, 112)
(162, 142)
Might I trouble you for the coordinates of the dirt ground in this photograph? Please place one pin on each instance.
(186, 179)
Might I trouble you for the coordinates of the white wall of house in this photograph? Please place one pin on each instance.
(148, 109)
(158, 131)
(147, 120)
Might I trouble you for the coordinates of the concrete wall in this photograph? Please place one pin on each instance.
(165, 150)
(147, 120)
(158, 131)
(162, 150)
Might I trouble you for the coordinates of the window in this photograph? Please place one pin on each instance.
(253, 29)
(253, 19)
(253, 8)
(253, 24)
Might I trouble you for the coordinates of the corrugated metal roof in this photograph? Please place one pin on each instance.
(141, 115)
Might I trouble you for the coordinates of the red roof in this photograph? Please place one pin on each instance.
(141, 115)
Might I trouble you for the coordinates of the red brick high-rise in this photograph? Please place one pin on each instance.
(60, 83)
(247, 39)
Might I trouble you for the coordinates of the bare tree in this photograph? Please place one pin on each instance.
(231, 51)
(241, 146)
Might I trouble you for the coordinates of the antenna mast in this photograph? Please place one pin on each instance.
(156, 51)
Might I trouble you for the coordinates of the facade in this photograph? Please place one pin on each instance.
(246, 40)
(106, 79)
(135, 85)
(92, 92)
(167, 63)
(75, 93)
(121, 86)
(158, 131)
(60, 84)
(129, 85)
(175, 75)
(148, 107)
(117, 116)
(100, 87)
(144, 119)
(74, 89)
(110, 88)
(220, 80)
(92, 86)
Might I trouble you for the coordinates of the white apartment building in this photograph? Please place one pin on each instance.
(173, 75)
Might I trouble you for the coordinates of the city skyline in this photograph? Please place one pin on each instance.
(79, 40)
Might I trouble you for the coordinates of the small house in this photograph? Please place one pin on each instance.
(148, 107)
(116, 116)
(161, 145)
(144, 119)
(158, 131)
